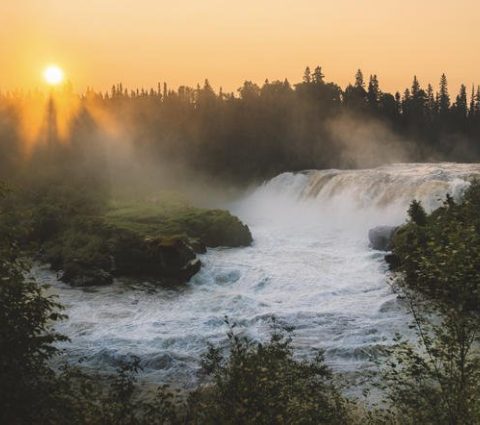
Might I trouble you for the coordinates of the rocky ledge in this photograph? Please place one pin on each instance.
(157, 244)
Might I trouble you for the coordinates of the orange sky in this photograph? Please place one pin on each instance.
(141, 42)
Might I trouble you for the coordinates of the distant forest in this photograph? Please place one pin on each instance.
(261, 130)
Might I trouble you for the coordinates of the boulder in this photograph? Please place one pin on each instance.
(190, 269)
(171, 260)
(197, 245)
(393, 261)
(380, 237)
(81, 275)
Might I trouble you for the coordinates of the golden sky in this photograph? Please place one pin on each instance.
(141, 42)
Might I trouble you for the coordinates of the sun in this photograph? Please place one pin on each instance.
(53, 75)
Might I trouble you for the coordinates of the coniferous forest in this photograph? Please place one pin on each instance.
(259, 131)
(239, 213)
(83, 212)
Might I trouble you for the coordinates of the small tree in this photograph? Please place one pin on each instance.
(417, 214)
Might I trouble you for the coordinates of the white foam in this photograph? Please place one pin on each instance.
(310, 266)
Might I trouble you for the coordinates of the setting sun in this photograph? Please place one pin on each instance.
(53, 75)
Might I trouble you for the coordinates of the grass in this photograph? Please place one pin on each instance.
(169, 216)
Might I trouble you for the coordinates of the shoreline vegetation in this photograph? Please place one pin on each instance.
(238, 138)
(87, 245)
(432, 380)
(65, 207)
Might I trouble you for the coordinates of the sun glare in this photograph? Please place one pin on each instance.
(53, 75)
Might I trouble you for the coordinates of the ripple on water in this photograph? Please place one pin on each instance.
(310, 266)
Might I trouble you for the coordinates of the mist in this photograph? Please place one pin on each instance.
(368, 143)
(210, 146)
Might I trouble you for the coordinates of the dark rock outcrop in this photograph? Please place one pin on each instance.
(160, 246)
(78, 275)
(393, 261)
(380, 237)
(171, 260)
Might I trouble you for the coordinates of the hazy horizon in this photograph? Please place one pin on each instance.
(144, 42)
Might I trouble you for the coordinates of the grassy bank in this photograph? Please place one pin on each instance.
(89, 239)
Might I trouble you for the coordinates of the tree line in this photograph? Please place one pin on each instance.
(266, 129)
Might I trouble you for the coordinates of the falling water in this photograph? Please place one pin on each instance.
(310, 266)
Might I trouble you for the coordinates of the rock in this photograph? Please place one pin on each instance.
(171, 260)
(393, 261)
(77, 275)
(220, 228)
(197, 245)
(191, 269)
(381, 236)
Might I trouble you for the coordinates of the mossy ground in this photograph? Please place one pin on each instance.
(154, 237)
(172, 217)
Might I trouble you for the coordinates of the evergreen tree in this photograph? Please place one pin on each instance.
(477, 102)
(461, 102)
(431, 103)
(444, 97)
(373, 93)
(307, 75)
(359, 82)
(398, 102)
(318, 76)
(415, 87)
(471, 110)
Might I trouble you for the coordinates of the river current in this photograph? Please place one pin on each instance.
(310, 266)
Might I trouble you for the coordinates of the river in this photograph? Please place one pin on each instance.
(310, 266)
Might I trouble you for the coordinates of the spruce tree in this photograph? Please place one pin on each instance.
(307, 75)
(318, 76)
(415, 86)
(461, 102)
(373, 93)
(359, 82)
(444, 97)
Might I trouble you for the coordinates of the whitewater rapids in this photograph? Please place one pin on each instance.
(310, 266)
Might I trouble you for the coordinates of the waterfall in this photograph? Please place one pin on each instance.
(310, 266)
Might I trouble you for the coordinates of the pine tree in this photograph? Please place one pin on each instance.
(307, 75)
(444, 97)
(415, 86)
(431, 104)
(398, 102)
(477, 102)
(359, 82)
(461, 102)
(373, 94)
(318, 76)
(471, 110)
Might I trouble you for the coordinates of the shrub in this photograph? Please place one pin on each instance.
(265, 384)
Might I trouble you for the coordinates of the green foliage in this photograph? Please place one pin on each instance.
(265, 384)
(441, 256)
(69, 225)
(417, 214)
(27, 316)
(438, 381)
(165, 218)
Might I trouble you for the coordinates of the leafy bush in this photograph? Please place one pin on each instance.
(437, 381)
(26, 337)
(441, 256)
(265, 384)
